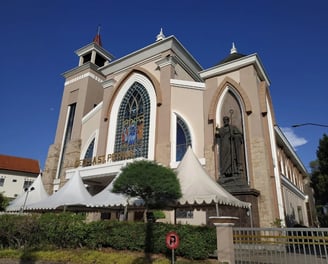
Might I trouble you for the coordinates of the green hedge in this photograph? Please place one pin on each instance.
(68, 230)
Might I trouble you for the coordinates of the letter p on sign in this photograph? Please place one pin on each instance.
(172, 240)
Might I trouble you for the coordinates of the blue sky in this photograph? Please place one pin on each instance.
(38, 40)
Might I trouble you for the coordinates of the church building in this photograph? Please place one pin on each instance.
(158, 101)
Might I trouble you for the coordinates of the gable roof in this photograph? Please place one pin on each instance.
(12, 163)
(231, 57)
(198, 187)
(181, 54)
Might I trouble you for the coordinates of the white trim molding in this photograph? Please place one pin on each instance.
(82, 76)
(187, 84)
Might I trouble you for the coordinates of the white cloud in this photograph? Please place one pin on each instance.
(293, 139)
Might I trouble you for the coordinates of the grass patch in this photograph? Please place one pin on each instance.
(81, 256)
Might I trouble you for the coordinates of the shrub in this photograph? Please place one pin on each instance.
(18, 231)
(63, 230)
(127, 235)
(69, 230)
(97, 234)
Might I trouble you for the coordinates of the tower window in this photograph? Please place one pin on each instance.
(68, 134)
(100, 61)
(87, 58)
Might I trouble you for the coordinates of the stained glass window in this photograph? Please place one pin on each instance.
(87, 161)
(183, 138)
(132, 131)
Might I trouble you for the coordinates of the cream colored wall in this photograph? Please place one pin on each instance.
(13, 184)
(292, 201)
(199, 218)
(289, 170)
(181, 74)
(90, 128)
(152, 68)
(188, 103)
(84, 90)
(212, 85)
(259, 156)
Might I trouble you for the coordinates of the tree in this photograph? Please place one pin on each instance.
(3, 202)
(157, 185)
(319, 178)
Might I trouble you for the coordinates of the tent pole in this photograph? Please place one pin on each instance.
(217, 209)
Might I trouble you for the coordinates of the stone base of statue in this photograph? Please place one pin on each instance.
(241, 190)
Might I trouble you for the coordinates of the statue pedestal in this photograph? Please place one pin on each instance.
(224, 237)
(239, 188)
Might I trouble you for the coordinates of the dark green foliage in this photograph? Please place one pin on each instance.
(319, 179)
(158, 214)
(3, 202)
(64, 230)
(127, 235)
(157, 185)
(97, 234)
(322, 154)
(196, 243)
(18, 231)
(68, 230)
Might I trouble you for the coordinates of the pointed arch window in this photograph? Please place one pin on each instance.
(87, 161)
(132, 131)
(183, 138)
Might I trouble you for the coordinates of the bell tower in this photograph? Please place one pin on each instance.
(94, 53)
(82, 92)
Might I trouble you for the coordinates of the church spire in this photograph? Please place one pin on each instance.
(97, 38)
(233, 49)
(160, 36)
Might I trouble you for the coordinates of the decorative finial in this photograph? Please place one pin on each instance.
(160, 36)
(97, 37)
(233, 49)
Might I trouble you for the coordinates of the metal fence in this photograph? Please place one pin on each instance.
(281, 245)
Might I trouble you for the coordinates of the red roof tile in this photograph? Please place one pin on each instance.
(19, 164)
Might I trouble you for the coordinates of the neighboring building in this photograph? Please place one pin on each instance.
(17, 174)
(155, 102)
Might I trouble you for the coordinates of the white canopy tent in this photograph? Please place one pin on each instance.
(35, 193)
(106, 198)
(72, 193)
(198, 187)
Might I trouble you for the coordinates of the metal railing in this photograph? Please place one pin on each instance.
(281, 245)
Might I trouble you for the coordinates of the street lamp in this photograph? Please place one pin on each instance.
(309, 124)
(27, 190)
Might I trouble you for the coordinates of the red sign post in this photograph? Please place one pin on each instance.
(172, 242)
